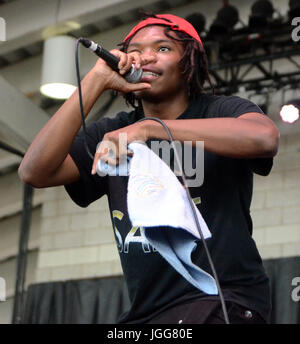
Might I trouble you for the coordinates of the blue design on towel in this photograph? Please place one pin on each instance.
(176, 246)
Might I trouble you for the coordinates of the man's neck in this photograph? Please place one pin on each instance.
(169, 109)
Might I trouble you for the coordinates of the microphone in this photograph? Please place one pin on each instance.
(133, 76)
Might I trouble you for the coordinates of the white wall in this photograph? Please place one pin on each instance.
(276, 203)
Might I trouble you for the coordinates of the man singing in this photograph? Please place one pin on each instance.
(239, 140)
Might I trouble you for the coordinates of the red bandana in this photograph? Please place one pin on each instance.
(176, 23)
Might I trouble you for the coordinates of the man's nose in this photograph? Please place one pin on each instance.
(149, 56)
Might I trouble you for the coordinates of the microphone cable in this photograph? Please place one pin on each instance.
(80, 99)
(191, 203)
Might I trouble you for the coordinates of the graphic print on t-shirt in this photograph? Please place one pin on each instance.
(136, 235)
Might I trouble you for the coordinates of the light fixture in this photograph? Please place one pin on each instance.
(226, 19)
(290, 111)
(58, 69)
(261, 14)
(60, 29)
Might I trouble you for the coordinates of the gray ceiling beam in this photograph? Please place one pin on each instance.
(26, 21)
(20, 119)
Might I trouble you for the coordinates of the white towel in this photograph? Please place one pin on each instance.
(158, 202)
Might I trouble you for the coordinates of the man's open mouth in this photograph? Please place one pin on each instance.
(146, 73)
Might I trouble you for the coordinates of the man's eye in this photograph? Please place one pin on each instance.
(164, 49)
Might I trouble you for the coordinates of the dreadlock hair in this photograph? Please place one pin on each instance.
(193, 63)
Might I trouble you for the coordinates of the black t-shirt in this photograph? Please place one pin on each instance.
(224, 201)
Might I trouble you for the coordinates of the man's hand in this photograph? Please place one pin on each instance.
(115, 81)
(114, 143)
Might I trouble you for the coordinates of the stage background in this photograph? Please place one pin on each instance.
(72, 250)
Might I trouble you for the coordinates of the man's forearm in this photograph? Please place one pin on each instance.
(52, 144)
(231, 137)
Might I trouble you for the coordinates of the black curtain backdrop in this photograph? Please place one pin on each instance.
(101, 301)
(90, 301)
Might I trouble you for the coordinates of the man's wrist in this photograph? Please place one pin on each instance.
(99, 80)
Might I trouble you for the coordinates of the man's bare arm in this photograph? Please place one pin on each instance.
(47, 162)
(251, 135)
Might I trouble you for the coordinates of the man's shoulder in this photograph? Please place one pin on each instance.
(209, 105)
(220, 99)
(217, 100)
(230, 105)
